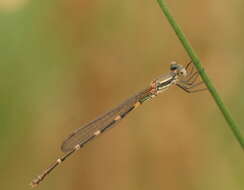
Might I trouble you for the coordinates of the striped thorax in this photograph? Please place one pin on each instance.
(163, 82)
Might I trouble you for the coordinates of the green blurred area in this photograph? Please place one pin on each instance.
(65, 62)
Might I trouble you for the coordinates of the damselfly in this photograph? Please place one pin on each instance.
(183, 77)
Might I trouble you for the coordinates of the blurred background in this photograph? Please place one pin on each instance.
(64, 62)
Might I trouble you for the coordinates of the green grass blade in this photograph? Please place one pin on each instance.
(231, 122)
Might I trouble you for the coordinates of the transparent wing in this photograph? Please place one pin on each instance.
(84, 134)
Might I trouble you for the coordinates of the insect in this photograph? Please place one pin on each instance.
(183, 77)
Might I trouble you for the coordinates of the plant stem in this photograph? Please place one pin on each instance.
(231, 122)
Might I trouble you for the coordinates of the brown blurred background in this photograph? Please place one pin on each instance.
(64, 62)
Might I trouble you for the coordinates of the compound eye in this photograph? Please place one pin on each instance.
(173, 67)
